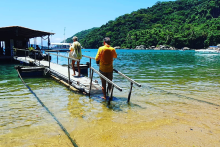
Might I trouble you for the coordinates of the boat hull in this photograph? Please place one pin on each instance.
(207, 51)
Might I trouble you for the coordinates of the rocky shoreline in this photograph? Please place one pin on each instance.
(160, 47)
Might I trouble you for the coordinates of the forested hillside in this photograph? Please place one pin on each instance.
(80, 35)
(191, 23)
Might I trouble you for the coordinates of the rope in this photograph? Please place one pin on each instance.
(183, 96)
(61, 126)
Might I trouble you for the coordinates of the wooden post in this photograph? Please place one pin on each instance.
(90, 83)
(129, 95)
(110, 98)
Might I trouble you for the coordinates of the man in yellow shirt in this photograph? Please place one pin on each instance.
(105, 55)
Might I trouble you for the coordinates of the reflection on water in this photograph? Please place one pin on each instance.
(179, 99)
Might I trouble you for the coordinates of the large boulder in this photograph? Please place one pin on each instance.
(141, 47)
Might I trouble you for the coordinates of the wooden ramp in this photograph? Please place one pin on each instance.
(81, 83)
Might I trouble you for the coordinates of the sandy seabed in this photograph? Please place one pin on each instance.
(152, 122)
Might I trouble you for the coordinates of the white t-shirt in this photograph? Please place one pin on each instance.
(75, 50)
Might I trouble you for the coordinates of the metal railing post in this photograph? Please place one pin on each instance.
(49, 59)
(129, 95)
(107, 80)
(107, 90)
(90, 66)
(35, 57)
(57, 58)
(69, 70)
(127, 77)
(90, 84)
(39, 56)
(110, 98)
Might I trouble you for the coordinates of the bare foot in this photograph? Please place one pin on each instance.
(73, 74)
(103, 98)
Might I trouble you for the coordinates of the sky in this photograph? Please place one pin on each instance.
(65, 17)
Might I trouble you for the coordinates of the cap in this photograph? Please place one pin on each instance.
(75, 38)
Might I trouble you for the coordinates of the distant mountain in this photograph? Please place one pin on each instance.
(181, 23)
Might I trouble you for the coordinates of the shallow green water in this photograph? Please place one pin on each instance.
(167, 78)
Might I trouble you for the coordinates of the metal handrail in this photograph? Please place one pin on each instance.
(52, 50)
(91, 75)
(139, 85)
(132, 81)
(63, 56)
(26, 49)
(90, 63)
(88, 57)
(109, 81)
(69, 58)
(15, 49)
(18, 49)
(123, 75)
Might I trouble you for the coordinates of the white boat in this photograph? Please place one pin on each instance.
(61, 43)
(208, 51)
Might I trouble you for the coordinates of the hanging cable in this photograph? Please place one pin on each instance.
(61, 126)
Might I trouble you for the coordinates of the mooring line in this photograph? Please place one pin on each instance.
(61, 126)
(183, 96)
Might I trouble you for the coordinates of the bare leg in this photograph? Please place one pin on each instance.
(110, 77)
(73, 62)
(104, 88)
(78, 67)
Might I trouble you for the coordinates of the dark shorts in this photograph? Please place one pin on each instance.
(108, 75)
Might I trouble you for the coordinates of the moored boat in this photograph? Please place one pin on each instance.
(208, 51)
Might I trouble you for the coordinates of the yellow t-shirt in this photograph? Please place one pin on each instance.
(31, 48)
(106, 54)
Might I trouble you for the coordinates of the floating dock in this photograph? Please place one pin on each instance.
(60, 72)
(63, 74)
